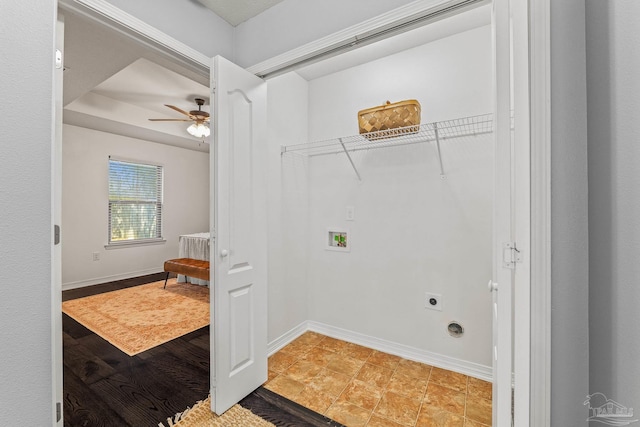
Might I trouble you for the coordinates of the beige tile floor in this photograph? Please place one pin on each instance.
(357, 386)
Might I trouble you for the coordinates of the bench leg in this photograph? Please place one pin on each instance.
(165, 281)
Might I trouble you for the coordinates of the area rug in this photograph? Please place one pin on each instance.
(141, 317)
(200, 415)
(260, 408)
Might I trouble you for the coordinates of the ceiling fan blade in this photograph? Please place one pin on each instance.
(179, 110)
(171, 120)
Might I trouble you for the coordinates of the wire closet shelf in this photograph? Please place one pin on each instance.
(428, 132)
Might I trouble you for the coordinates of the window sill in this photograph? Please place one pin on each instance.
(129, 244)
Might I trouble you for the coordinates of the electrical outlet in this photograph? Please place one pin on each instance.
(433, 301)
(96, 256)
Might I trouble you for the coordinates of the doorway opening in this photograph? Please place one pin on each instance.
(414, 209)
(128, 365)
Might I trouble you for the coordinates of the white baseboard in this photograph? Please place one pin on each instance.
(105, 279)
(287, 337)
(407, 352)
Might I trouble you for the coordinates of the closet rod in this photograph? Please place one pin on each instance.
(432, 14)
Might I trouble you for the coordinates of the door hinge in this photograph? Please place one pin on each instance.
(511, 255)
(58, 412)
(56, 234)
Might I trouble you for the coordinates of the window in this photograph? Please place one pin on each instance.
(135, 202)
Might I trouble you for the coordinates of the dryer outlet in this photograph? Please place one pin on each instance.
(433, 301)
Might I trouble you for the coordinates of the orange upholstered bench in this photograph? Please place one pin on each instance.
(190, 267)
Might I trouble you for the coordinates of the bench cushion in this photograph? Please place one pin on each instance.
(188, 267)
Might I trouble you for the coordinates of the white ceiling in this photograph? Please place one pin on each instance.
(237, 11)
(148, 85)
(124, 103)
(114, 84)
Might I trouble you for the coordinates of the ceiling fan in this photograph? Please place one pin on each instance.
(199, 118)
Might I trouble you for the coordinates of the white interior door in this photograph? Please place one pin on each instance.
(239, 258)
(503, 272)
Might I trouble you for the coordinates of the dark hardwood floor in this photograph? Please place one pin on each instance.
(105, 387)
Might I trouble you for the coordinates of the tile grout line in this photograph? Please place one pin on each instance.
(349, 382)
(423, 397)
(466, 395)
(354, 377)
(339, 353)
(384, 390)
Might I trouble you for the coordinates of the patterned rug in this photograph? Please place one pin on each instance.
(141, 317)
(261, 408)
(200, 415)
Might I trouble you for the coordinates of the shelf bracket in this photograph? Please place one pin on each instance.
(350, 159)
(435, 129)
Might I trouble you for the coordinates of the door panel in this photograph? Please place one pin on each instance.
(239, 312)
(240, 198)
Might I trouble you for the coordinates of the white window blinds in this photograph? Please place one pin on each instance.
(135, 202)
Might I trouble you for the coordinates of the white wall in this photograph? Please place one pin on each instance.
(85, 204)
(187, 21)
(413, 232)
(294, 23)
(27, 34)
(569, 216)
(288, 206)
(613, 93)
(450, 77)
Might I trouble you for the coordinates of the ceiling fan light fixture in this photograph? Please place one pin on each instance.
(199, 130)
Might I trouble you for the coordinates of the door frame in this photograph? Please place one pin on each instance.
(506, 137)
(56, 221)
(532, 19)
(537, 18)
